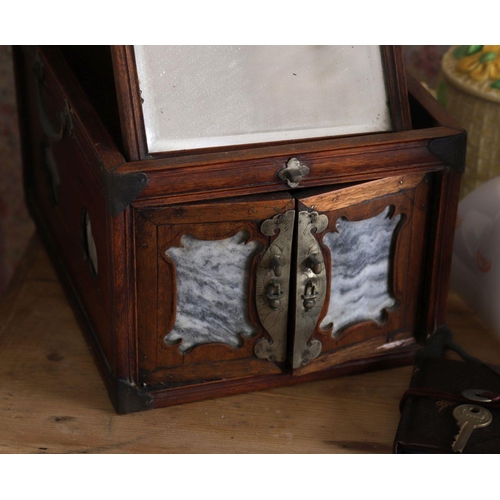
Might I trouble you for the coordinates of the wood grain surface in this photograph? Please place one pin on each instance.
(52, 399)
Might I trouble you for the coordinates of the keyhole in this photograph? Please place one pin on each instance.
(309, 295)
(310, 289)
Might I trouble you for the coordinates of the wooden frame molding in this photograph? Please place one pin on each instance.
(127, 91)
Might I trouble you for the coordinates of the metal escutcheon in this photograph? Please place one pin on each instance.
(272, 287)
(311, 287)
(293, 172)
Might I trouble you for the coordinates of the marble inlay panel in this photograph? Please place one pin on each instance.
(212, 291)
(361, 260)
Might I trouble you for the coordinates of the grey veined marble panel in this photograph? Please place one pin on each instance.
(361, 260)
(212, 291)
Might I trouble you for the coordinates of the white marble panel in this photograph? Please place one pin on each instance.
(361, 260)
(212, 291)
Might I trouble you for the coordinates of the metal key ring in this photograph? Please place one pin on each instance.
(475, 395)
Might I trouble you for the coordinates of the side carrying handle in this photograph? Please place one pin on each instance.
(52, 133)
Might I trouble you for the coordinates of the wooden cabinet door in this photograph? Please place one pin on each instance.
(360, 258)
(212, 289)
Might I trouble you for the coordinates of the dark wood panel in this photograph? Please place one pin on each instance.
(417, 300)
(237, 179)
(397, 330)
(443, 222)
(224, 388)
(342, 146)
(163, 363)
(121, 259)
(230, 368)
(129, 106)
(244, 208)
(343, 197)
(396, 86)
(368, 350)
(95, 139)
(92, 67)
(146, 284)
(60, 193)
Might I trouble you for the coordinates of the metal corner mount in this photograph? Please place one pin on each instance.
(451, 150)
(128, 398)
(123, 189)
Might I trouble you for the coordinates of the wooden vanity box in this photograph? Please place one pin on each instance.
(208, 270)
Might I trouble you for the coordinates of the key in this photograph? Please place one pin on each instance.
(469, 417)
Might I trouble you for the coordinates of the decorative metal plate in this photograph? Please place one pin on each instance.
(272, 290)
(311, 287)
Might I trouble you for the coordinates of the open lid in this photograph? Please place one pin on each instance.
(200, 98)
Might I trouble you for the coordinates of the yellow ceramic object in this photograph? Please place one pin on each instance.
(482, 65)
(469, 88)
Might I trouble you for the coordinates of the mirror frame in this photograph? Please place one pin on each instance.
(132, 119)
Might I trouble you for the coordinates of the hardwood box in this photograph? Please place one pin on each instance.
(209, 272)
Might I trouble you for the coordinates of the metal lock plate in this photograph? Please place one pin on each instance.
(272, 290)
(311, 287)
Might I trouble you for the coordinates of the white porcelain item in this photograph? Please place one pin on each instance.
(476, 257)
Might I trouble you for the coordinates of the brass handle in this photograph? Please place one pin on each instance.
(314, 264)
(274, 293)
(310, 295)
(276, 266)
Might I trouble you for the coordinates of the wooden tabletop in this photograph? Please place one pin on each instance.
(52, 399)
